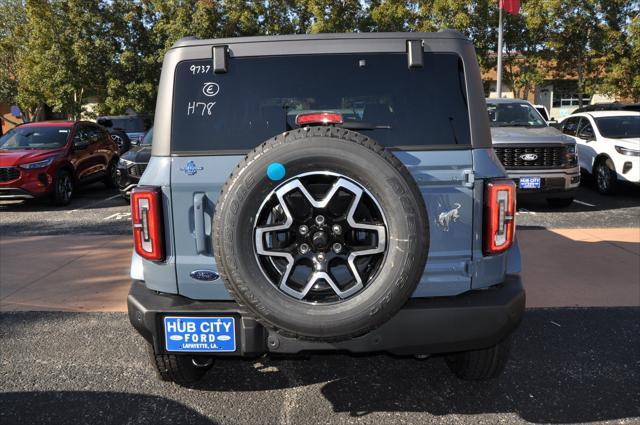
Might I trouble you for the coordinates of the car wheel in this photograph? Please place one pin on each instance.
(182, 370)
(606, 178)
(111, 179)
(339, 234)
(480, 365)
(123, 141)
(63, 188)
(559, 202)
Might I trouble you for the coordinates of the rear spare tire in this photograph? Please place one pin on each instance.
(321, 233)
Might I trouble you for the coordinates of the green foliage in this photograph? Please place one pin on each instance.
(622, 76)
(61, 52)
(12, 37)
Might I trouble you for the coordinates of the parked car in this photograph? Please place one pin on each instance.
(613, 106)
(331, 188)
(608, 146)
(51, 158)
(125, 129)
(132, 164)
(542, 110)
(538, 157)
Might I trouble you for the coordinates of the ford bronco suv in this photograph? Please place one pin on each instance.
(541, 160)
(334, 192)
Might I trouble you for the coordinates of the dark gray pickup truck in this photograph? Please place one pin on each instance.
(541, 159)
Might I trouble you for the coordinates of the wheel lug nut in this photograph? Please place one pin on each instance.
(337, 247)
(304, 248)
(320, 256)
(336, 229)
(320, 220)
(303, 230)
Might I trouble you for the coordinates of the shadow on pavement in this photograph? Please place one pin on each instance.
(567, 365)
(94, 196)
(70, 226)
(87, 407)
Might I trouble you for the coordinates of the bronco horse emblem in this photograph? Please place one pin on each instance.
(445, 218)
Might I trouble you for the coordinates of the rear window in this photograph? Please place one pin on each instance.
(130, 124)
(376, 94)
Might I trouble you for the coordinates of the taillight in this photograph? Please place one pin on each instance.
(146, 212)
(500, 218)
(319, 118)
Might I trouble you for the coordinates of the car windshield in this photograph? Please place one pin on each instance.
(129, 124)
(148, 138)
(620, 127)
(514, 115)
(34, 137)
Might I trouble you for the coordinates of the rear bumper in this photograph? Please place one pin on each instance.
(474, 320)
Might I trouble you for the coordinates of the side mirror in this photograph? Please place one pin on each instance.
(79, 144)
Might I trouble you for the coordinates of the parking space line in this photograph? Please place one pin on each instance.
(583, 203)
(93, 203)
(119, 216)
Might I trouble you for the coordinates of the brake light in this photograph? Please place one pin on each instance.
(319, 118)
(146, 212)
(500, 219)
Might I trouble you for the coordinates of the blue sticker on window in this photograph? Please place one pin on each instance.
(276, 171)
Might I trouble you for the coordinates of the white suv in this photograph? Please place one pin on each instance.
(608, 146)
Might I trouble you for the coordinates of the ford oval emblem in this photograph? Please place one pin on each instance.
(190, 168)
(204, 275)
(528, 157)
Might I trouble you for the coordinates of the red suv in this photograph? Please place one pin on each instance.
(51, 158)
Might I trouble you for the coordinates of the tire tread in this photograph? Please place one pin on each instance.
(273, 143)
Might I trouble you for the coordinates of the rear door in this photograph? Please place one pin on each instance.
(419, 112)
(445, 179)
(80, 152)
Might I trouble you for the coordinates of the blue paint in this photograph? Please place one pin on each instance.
(276, 171)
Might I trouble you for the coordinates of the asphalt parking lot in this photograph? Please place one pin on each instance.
(97, 210)
(576, 356)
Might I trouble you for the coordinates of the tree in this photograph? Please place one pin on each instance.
(526, 53)
(66, 55)
(391, 15)
(622, 76)
(332, 15)
(577, 40)
(12, 40)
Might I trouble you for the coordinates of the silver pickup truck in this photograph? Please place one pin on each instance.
(541, 160)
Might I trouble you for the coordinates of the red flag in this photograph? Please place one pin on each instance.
(510, 6)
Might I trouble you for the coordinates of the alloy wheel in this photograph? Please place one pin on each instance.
(320, 237)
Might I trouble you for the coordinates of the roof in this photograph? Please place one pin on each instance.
(504, 100)
(121, 117)
(52, 123)
(442, 34)
(599, 114)
(602, 114)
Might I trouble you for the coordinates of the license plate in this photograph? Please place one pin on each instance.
(200, 334)
(530, 183)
